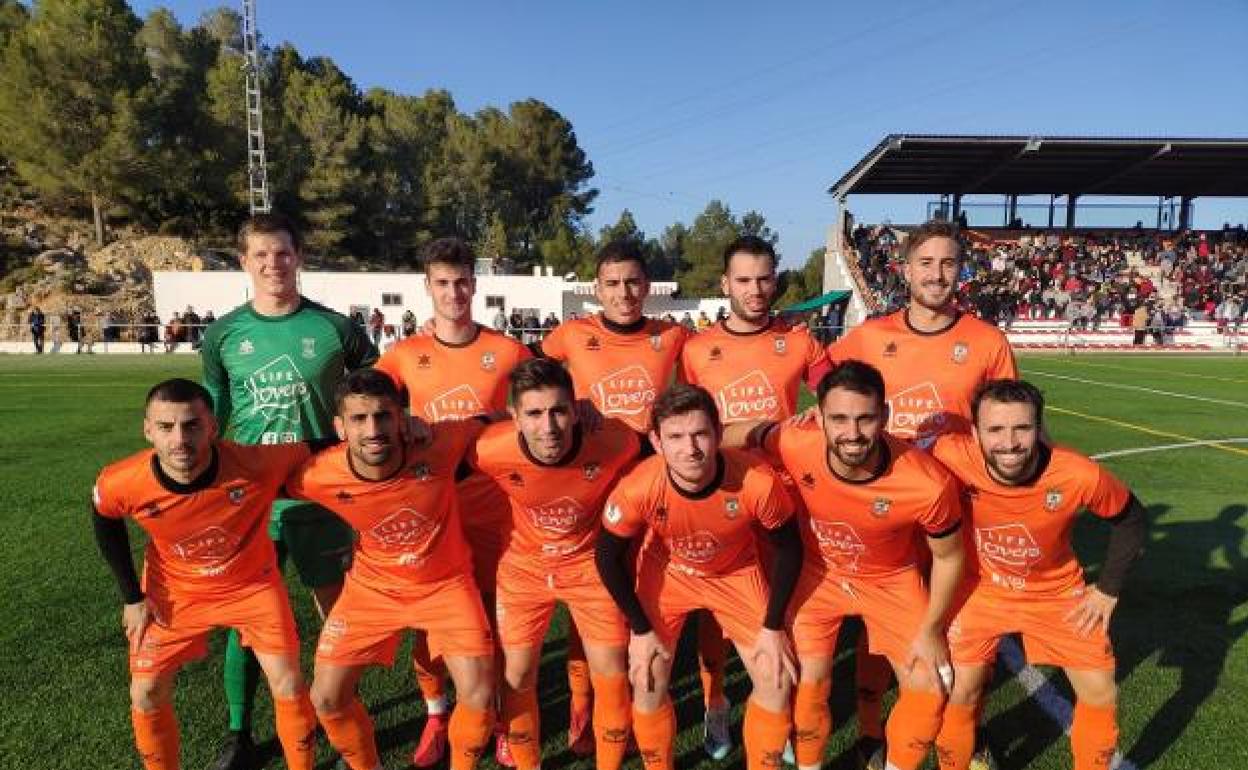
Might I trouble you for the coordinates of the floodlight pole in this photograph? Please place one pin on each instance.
(257, 165)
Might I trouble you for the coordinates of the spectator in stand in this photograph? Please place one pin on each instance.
(532, 328)
(207, 320)
(721, 314)
(409, 323)
(1139, 324)
(703, 320)
(687, 322)
(358, 318)
(194, 327)
(376, 325)
(516, 323)
(1157, 324)
(73, 324)
(149, 333)
(549, 323)
(173, 333)
(38, 327)
(500, 321)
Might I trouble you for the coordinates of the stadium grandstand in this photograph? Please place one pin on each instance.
(1138, 278)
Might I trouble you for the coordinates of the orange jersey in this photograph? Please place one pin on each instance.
(209, 537)
(866, 528)
(1022, 534)
(929, 377)
(454, 382)
(409, 523)
(754, 376)
(555, 508)
(622, 373)
(710, 533)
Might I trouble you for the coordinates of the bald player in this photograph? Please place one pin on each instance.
(1023, 496)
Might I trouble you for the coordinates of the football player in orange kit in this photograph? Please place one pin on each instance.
(1023, 496)
(697, 505)
(208, 564)
(456, 372)
(412, 567)
(932, 357)
(556, 475)
(867, 497)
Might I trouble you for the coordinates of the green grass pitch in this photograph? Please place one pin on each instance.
(1179, 630)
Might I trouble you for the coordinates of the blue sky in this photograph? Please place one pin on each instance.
(765, 105)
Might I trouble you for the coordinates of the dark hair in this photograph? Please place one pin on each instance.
(271, 223)
(856, 377)
(750, 244)
(622, 250)
(451, 251)
(178, 391)
(366, 382)
(539, 373)
(933, 228)
(682, 398)
(1006, 391)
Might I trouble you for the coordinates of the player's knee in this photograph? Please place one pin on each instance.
(1101, 692)
(148, 693)
(771, 696)
(286, 682)
(476, 690)
(329, 699)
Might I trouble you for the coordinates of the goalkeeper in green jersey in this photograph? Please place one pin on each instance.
(272, 365)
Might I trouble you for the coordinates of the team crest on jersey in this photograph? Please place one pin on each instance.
(593, 344)
(890, 350)
(656, 341)
(344, 496)
(246, 348)
(808, 479)
(960, 351)
(309, 347)
(488, 361)
(421, 471)
(716, 354)
(591, 470)
(423, 362)
(1052, 499)
(235, 494)
(612, 513)
(880, 507)
(781, 345)
(732, 508)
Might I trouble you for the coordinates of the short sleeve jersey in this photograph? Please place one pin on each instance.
(272, 379)
(621, 372)
(866, 528)
(708, 533)
(930, 377)
(556, 507)
(453, 382)
(756, 375)
(408, 524)
(205, 538)
(1022, 534)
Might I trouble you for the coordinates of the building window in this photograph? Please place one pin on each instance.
(391, 299)
(493, 300)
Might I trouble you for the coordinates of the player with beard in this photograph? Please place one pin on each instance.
(697, 505)
(412, 568)
(869, 497)
(932, 357)
(1023, 496)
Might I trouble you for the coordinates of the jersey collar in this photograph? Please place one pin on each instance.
(771, 320)
(881, 467)
(905, 317)
(197, 484)
(577, 438)
(476, 332)
(346, 450)
(706, 491)
(618, 328)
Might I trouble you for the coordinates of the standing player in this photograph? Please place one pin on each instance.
(697, 504)
(868, 497)
(457, 372)
(932, 357)
(412, 568)
(207, 564)
(556, 475)
(1023, 497)
(753, 364)
(271, 366)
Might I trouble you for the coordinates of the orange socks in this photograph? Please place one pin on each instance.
(521, 718)
(872, 676)
(912, 727)
(469, 733)
(578, 671)
(611, 718)
(765, 735)
(296, 730)
(156, 737)
(1094, 736)
(350, 732)
(955, 744)
(430, 671)
(712, 653)
(656, 736)
(812, 722)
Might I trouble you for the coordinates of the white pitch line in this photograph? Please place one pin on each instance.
(1167, 447)
(1158, 372)
(1140, 389)
(1046, 696)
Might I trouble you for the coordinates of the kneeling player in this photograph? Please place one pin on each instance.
(699, 504)
(557, 476)
(1023, 498)
(208, 564)
(411, 569)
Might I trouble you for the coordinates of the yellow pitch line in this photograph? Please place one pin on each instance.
(1145, 429)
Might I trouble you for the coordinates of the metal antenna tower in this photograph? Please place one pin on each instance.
(257, 166)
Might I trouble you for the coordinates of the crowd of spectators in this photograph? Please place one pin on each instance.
(1149, 281)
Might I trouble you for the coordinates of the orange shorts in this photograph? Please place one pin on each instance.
(529, 586)
(982, 617)
(738, 600)
(260, 613)
(891, 608)
(365, 624)
(485, 514)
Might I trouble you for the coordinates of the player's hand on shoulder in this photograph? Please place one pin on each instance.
(1094, 610)
(805, 417)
